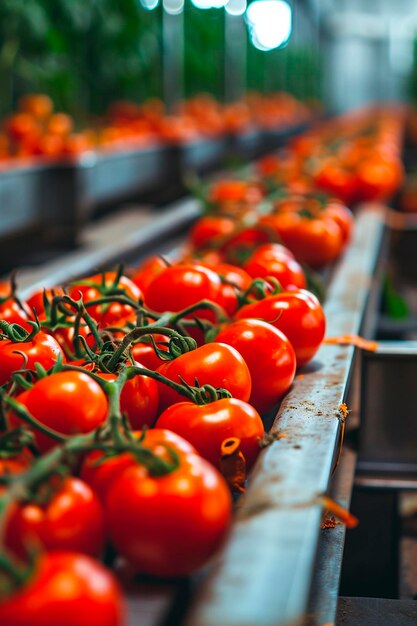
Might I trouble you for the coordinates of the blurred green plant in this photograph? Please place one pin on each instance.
(83, 53)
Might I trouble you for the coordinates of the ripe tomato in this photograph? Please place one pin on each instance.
(139, 399)
(42, 349)
(214, 364)
(65, 588)
(16, 463)
(270, 358)
(73, 519)
(36, 300)
(169, 525)
(180, 286)
(113, 314)
(316, 240)
(298, 314)
(68, 402)
(209, 229)
(234, 279)
(207, 426)
(145, 273)
(276, 261)
(10, 311)
(101, 475)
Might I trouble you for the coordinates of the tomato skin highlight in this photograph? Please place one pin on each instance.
(214, 364)
(270, 358)
(68, 402)
(208, 425)
(298, 314)
(66, 588)
(72, 520)
(172, 524)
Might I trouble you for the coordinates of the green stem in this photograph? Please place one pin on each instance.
(28, 418)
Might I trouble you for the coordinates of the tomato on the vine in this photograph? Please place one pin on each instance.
(207, 426)
(112, 313)
(15, 355)
(68, 402)
(169, 525)
(139, 399)
(65, 588)
(99, 472)
(71, 519)
(215, 364)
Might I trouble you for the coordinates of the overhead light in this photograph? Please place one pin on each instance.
(173, 7)
(149, 5)
(236, 7)
(270, 23)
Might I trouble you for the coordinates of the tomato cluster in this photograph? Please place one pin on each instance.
(134, 403)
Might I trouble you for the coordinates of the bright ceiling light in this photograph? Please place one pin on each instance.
(270, 23)
(236, 7)
(209, 4)
(149, 5)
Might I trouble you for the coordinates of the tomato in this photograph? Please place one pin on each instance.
(234, 191)
(115, 313)
(238, 248)
(314, 240)
(145, 273)
(298, 314)
(180, 286)
(379, 176)
(65, 588)
(270, 358)
(42, 349)
(342, 216)
(101, 475)
(38, 105)
(214, 364)
(68, 402)
(10, 310)
(234, 279)
(73, 519)
(207, 426)
(139, 399)
(209, 229)
(144, 352)
(276, 261)
(172, 524)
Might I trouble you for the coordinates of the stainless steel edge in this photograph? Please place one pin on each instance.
(263, 576)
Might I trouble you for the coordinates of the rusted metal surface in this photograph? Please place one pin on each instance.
(263, 576)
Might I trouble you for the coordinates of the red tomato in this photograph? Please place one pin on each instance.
(270, 358)
(139, 399)
(65, 588)
(36, 300)
(145, 273)
(298, 314)
(315, 240)
(10, 311)
(68, 402)
(169, 525)
(207, 426)
(15, 464)
(214, 364)
(113, 314)
(73, 520)
(234, 279)
(211, 228)
(180, 286)
(276, 261)
(101, 475)
(42, 349)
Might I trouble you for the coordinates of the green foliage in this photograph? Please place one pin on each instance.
(204, 51)
(84, 53)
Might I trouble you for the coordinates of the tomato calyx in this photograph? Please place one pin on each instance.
(259, 289)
